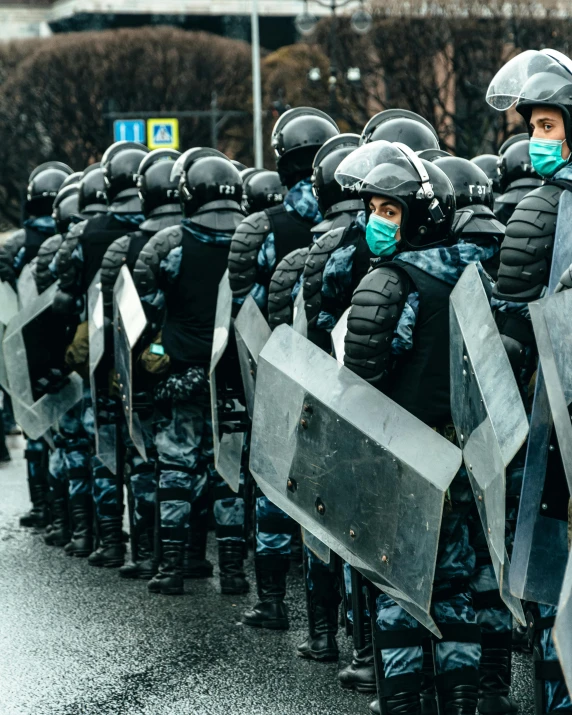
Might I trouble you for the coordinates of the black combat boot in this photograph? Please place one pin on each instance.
(231, 567)
(38, 488)
(59, 533)
(458, 691)
(111, 550)
(195, 563)
(374, 707)
(169, 579)
(360, 673)
(270, 611)
(495, 675)
(145, 566)
(322, 606)
(81, 543)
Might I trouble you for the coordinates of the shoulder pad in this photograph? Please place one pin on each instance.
(76, 229)
(377, 304)
(475, 220)
(246, 242)
(65, 268)
(284, 278)
(526, 251)
(113, 259)
(341, 220)
(47, 251)
(319, 254)
(8, 252)
(146, 271)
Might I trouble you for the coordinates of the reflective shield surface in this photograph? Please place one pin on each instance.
(128, 325)
(27, 289)
(487, 410)
(352, 467)
(339, 337)
(104, 425)
(8, 309)
(299, 320)
(563, 627)
(251, 331)
(36, 414)
(540, 550)
(228, 436)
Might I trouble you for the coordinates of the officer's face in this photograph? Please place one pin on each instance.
(387, 208)
(547, 123)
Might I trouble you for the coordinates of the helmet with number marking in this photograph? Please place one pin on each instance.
(472, 186)
(489, 163)
(43, 186)
(262, 189)
(120, 163)
(159, 193)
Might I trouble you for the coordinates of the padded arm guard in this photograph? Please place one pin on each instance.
(8, 253)
(42, 274)
(244, 247)
(148, 266)
(377, 304)
(320, 252)
(526, 251)
(66, 267)
(284, 278)
(114, 258)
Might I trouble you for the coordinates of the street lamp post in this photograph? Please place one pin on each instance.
(256, 87)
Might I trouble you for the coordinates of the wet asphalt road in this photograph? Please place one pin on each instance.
(75, 640)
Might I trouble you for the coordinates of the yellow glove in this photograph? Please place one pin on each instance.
(154, 360)
(77, 353)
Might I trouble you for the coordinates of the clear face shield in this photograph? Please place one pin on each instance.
(512, 83)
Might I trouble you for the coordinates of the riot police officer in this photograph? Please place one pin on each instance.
(185, 265)
(262, 189)
(517, 175)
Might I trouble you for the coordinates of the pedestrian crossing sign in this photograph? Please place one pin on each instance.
(163, 133)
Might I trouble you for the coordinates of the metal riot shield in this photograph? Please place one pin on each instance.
(228, 415)
(362, 474)
(129, 322)
(36, 416)
(339, 337)
(488, 413)
(104, 424)
(252, 331)
(299, 320)
(562, 628)
(540, 550)
(27, 289)
(8, 309)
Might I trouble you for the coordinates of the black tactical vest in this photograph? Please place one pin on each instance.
(420, 383)
(99, 233)
(32, 243)
(290, 230)
(191, 303)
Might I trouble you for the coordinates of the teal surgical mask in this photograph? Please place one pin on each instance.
(546, 156)
(380, 235)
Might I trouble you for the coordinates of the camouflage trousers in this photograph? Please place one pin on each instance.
(71, 459)
(452, 602)
(274, 529)
(556, 692)
(37, 461)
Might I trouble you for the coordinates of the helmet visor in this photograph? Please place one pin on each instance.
(511, 83)
(380, 163)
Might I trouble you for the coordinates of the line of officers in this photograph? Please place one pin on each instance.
(348, 221)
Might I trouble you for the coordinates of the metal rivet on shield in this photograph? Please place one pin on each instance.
(352, 533)
(551, 448)
(291, 485)
(489, 529)
(470, 467)
(545, 507)
(384, 559)
(462, 438)
(308, 408)
(304, 423)
(464, 372)
(252, 373)
(465, 358)
(320, 507)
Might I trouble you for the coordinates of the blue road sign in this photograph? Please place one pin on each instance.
(131, 130)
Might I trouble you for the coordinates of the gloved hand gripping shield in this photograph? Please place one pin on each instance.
(128, 325)
(37, 413)
(359, 472)
(103, 408)
(540, 547)
(488, 414)
(229, 417)
(8, 309)
(252, 332)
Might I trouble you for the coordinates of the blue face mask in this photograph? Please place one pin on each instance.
(546, 156)
(380, 235)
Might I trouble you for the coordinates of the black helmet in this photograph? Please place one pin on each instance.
(296, 137)
(515, 164)
(120, 164)
(72, 179)
(66, 207)
(472, 186)
(92, 199)
(423, 190)
(489, 163)
(401, 125)
(43, 186)
(326, 189)
(238, 164)
(210, 190)
(262, 189)
(245, 173)
(432, 154)
(159, 193)
(512, 140)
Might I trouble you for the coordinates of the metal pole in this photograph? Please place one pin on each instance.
(256, 87)
(333, 79)
(214, 120)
